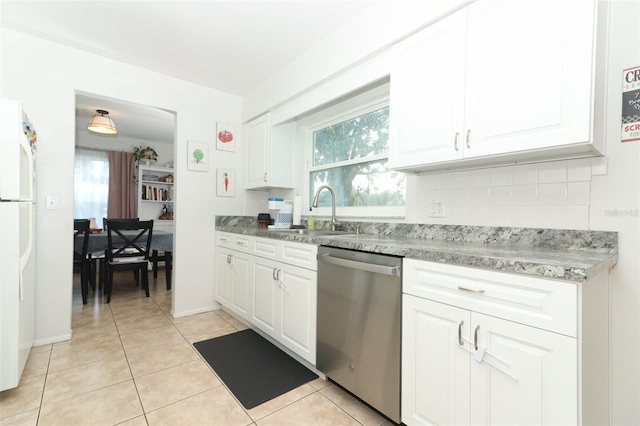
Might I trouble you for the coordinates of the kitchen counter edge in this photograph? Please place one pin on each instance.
(564, 264)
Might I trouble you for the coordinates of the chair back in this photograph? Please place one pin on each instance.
(81, 226)
(104, 221)
(128, 240)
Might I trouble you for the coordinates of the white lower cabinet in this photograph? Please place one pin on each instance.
(233, 289)
(267, 286)
(462, 366)
(531, 376)
(435, 373)
(284, 305)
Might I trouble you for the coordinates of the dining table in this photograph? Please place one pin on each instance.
(161, 241)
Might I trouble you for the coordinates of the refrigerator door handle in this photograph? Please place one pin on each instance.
(24, 258)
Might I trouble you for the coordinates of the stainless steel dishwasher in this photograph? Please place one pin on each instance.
(359, 325)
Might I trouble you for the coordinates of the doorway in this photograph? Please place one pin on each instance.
(138, 126)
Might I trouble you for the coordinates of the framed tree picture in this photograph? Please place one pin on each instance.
(198, 156)
(225, 137)
(226, 183)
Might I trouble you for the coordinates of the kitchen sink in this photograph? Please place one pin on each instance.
(313, 232)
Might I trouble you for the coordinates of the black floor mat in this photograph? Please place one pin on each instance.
(253, 369)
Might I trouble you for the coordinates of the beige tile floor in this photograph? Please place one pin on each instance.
(130, 363)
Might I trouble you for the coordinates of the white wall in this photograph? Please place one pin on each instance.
(45, 76)
(88, 140)
(598, 194)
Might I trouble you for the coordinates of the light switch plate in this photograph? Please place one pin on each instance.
(51, 203)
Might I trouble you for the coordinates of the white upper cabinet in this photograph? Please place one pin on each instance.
(269, 154)
(427, 95)
(496, 82)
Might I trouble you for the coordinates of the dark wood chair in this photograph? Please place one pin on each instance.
(80, 257)
(98, 268)
(129, 242)
(167, 258)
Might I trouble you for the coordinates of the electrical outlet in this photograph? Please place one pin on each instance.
(438, 208)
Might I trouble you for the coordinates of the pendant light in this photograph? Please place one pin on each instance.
(102, 123)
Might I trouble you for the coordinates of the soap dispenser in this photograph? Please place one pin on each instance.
(311, 221)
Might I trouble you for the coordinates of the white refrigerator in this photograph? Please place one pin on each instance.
(17, 242)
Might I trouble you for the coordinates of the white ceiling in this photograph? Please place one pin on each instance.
(230, 45)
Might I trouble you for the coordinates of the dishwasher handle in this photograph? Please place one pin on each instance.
(361, 266)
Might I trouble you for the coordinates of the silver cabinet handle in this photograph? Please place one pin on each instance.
(455, 141)
(229, 257)
(273, 274)
(362, 266)
(468, 133)
(475, 337)
(470, 290)
(460, 341)
(265, 177)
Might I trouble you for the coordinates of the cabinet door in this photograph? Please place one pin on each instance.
(240, 295)
(258, 135)
(265, 296)
(435, 367)
(529, 81)
(427, 95)
(299, 300)
(224, 275)
(534, 380)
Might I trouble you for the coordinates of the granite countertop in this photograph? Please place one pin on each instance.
(560, 254)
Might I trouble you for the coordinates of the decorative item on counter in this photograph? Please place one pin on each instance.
(311, 221)
(264, 219)
(297, 210)
(275, 203)
(283, 212)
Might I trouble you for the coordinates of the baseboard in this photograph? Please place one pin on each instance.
(201, 310)
(51, 340)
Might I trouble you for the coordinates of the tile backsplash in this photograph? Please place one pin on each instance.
(554, 194)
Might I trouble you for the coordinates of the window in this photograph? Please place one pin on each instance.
(90, 184)
(349, 154)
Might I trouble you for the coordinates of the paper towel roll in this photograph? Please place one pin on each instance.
(297, 210)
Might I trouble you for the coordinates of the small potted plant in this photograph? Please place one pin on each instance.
(146, 154)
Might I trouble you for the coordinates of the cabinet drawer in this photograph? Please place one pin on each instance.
(300, 254)
(234, 241)
(546, 304)
(242, 243)
(224, 239)
(265, 247)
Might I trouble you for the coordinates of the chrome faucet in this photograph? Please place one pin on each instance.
(334, 221)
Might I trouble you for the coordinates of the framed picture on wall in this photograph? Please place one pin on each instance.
(225, 136)
(197, 156)
(226, 183)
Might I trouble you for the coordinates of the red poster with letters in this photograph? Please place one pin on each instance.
(631, 104)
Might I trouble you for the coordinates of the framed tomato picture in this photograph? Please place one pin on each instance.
(226, 183)
(225, 137)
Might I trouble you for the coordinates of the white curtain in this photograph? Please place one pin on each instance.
(91, 184)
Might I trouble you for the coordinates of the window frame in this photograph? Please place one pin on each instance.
(333, 115)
